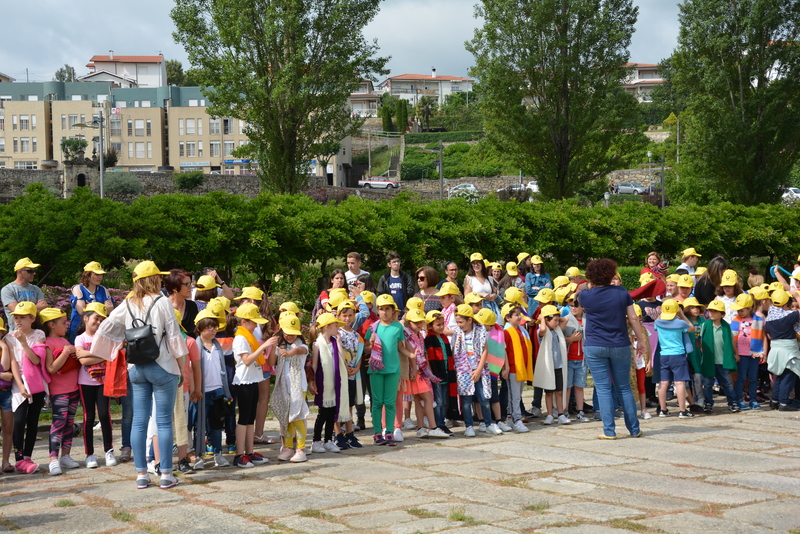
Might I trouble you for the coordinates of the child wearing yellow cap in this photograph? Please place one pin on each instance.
(550, 372)
(694, 314)
(330, 373)
(421, 379)
(671, 328)
(440, 357)
(748, 339)
(470, 352)
(353, 347)
(783, 326)
(536, 280)
(730, 288)
(718, 356)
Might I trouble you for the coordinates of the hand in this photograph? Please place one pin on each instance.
(213, 272)
(476, 375)
(25, 393)
(647, 367)
(180, 380)
(312, 388)
(504, 374)
(737, 358)
(195, 395)
(20, 336)
(640, 349)
(351, 371)
(81, 353)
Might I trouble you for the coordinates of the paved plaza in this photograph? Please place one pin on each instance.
(725, 473)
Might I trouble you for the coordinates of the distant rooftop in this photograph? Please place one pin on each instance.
(124, 59)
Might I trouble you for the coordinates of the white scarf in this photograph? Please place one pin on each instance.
(326, 361)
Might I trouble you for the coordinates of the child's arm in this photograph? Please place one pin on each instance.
(23, 342)
(54, 364)
(248, 359)
(476, 374)
(5, 362)
(505, 370)
(780, 278)
(18, 378)
(196, 382)
(315, 357)
(86, 357)
(687, 321)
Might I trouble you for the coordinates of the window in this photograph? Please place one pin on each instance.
(14, 123)
(24, 144)
(33, 122)
(33, 144)
(136, 103)
(116, 126)
(149, 127)
(2, 123)
(190, 127)
(145, 103)
(33, 98)
(227, 126)
(199, 126)
(27, 165)
(117, 147)
(191, 149)
(2, 145)
(83, 119)
(200, 149)
(181, 149)
(130, 150)
(77, 97)
(213, 126)
(130, 128)
(139, 150)
(242, 125)
(16, 145)
(63, 122)
(24, 122)
(122, 103)
(139, 127)
(193, 102)
(73, 120)
(213, 149)
(180, 126)
(228, 148)
(149, 150)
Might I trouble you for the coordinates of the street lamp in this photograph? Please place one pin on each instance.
(607, 197)
(98, 124)
(650, 172)
(440, 162)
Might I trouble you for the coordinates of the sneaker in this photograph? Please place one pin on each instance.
(734, 408)
(352, 441)
(408, 424)
(505, 427)
(142, 481)
(438, 433)
(221, 461)
(55, 467)
(603, 436)
(286, 454)
(299, 456)
(341, 441)
(110, 460)
(548, 420)
(243, 461)
(232, 449)
(469, 432)
(482, 427)
(494, 430)
(773, 405)
(422, 433)
(638, 434)
(378, 439)
(257, 458)
(754, 405)
(563, 419)
(617, 414)
(519, 426)
(743, 406)
(168, 481)
(536, 412)
(388, 438)
(152, 466)
(398, 435)
(317, 446)
(596, 415)
(125, 454)
(331, 447)
(646, 415)
(580, 417)
(696, 408)
(184, 466)
(587, 407)
(708, 408)
(526, 413)
(685, 415)
(200, 464)
(663, 413)
(174, 449)
(446, 430)
(91, 461)
(68, 463)
(788, 408)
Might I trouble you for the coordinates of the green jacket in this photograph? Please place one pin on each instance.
(694, 356)
(707, 366)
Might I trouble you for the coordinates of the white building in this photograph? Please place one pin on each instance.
(412, 87)
(643, 79)
(128, 71)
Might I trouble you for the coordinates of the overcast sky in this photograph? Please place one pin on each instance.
(418, 34)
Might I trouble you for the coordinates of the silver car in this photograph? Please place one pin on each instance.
(630, 188)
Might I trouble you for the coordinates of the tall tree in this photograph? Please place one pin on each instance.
(739, 64)
(402, 115)
(550, 73)
(426, 107)
(65, 74)
(287, 68)
(175, 75)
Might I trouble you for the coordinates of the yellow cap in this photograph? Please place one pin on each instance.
(574, 271)
(536, 259)
(99, 308)
(222, 301)
(669, 309)
(486, 263)
(699, 271)
(759, 293)
(717, 305)
(548, 311)
(25, 308)
(433, 315)
(560, 281)
(385, 300)
(473, 298)
(415, 303)
(486, 317)
(638, 310)
(145, 269)
(508, 308)
(290, 324)
(690, 252)
(328, 318)
(415, 315)
(780, 297)
(465, 310)
(250, 312)
(561, 293)
(368, 297)
(25, 263)
(776, 286)
(545, 295)
(729, 278)
(685, 280)
(476, 256)
(514, 295)
(206, 313)
(511, 269)
(743, 301)
(251, 292)
(49, 314)
(646, 278)
(289, 306)
(206, 282)
(673, 278)
(345, 305)
(3, 325)
(522, 255)
(691, 301)
(336, 297)
(94, 267)
(448, 288)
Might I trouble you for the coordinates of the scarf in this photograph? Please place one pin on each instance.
(254, 344)
(376, 357)
(521, 348)
(496, 346)
(545, 371)
(331, 388)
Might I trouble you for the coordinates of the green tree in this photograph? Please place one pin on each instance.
(550, 74)
(426, 108)
(402, 115)
(110, 157)
(739, 64)
(287, 68)
(65, 74)
(175, 74)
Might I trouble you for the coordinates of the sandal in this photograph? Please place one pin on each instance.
(263, 439)
(8, 468)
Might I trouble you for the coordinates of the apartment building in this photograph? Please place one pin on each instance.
(641, 82)
(412, 87)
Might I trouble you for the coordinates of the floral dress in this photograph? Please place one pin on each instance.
(466, 361)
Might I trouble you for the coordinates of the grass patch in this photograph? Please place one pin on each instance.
(457, 513)
(794, 531)
(203, 482)
(316, 514)
(627, 525)
(122, 515)
(8, 524)
(517, 482)
(540, 507)
(63, 503)
(422, 513)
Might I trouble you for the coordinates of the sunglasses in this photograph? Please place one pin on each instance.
(31, 271)
(420, 278)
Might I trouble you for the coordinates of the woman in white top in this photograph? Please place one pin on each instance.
(158, 379)
(478, 281)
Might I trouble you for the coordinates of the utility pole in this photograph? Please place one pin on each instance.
(441, 170)
(662, 181)
(369, 154)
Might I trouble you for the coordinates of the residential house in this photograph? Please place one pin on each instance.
(641, 82)
(140, 71)
(412, 87)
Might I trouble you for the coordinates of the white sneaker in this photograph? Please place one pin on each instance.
(536, 412)
(286, 454)
(97, 427)
(398, 435)
(91, 461)
(422, 433)
(110, 460)
(504, 427)
(55, 467)
(299, 456)
(482, 427)
(408, 424)
(317, 446)
(494, 429)
(469, 432)
(438, 433)
(581, 417)
(519, 426)
(331, 447)
(563, 419)
(549, 420)
(68, 463)
(221, 461)
(366, 398)
(200, 464)
(646, 415)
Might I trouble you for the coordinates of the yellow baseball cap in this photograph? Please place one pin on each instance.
(646, 278)
(743, 300)
(522, 255)
(222, 301)
(433, 315)
(495, 266)
(415, 315)
(515, 295)
(289, 306)
(560, 281)
(691, 301)
(147, 268)
(345, 305)
(780, 297)
(685, 281)
(25, 263)
(251, 292)
(290, 324)
(669, 309)
(49, 314)
(729, 278)
(206, 313)
(25, 308)
(545, 295)
(415, 303)
(508, 308)
(476, 256)
(94, 267)
(561, 293)
(473, 298)
(250, 312)
(536, 259)
(486, 263)
(699, 271)
(3, 325)
(548, 311)
(717, 305)
(759, 293)
(385, 300)
(465, 310)
(776, 286)
(448, 288)
(99, 308)
(206, 282)
(511, 269)
(368, 297)
(486, 317)
(336, 297)
(574, 271)
(673, 278)
(690, 252)
(328, 318)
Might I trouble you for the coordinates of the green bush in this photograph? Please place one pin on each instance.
(122, 184)
(186, 181)
(447, 137)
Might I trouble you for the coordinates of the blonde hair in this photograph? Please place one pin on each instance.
(149, 285)
(754, 280)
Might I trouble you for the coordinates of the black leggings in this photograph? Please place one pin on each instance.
(247, 395)
(326, 417)
(91, 397)
(26, 424)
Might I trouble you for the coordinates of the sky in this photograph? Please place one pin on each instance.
(417, 34)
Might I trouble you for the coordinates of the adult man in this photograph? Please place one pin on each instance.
(22, 290)
(395, 282)
(451, 270)
(353, 268)
(222, 288)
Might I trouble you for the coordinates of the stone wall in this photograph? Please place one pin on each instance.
(484, 185)
(14, 181)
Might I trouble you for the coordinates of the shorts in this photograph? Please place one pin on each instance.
(674, 367)
(247, 398)
(559, 382)
(576, 373)
(267, 375)
(5, 402)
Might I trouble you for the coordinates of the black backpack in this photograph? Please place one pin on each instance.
(141, 339)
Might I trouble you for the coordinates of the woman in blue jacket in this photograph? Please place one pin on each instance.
(534, 281)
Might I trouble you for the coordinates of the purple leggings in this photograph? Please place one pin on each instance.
(64, 407)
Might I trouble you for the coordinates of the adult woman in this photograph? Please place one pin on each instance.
(705, 289)
(336, 280)
(535, 281)
(607, 309)
(509, 279)
(88, 290)
(157, 379)
(178, 286)
(427, 279)
(651, 265)
(478, 281)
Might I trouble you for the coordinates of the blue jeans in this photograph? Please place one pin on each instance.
(152, 381)
(748, 369)
(214, 436)
(783, 386)
(607, 364)
(724, 379)
(466, 405)
(127, 415)
(441, 397)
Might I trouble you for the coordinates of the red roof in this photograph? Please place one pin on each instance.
(641, 64)
(428, 77)
(125, 59)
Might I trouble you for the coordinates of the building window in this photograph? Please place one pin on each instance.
(73, 120)
(24, 122)
(122, 103)
(149, 127)
(83, 119)
(228, 148)
(16, 145)
(213, 126)
(24, 144)
(200, 149)
(213, 149)
(130, 150)
(191, 150)
(27, 165)
(180, 149)
(77, 97)
(33, 144)
(139, 127)
(149, 150)
(242, 126)
(145, 103)
(227, 126)
(130, 128)
(2, 145)
(139, 150)
(32, 98)
(33, 122)
(116, 127)
(190, 127)
(180, 126)
(117, 147)
(193, 102)
(2, 123)
(63, 122)
(14, 123)
(199, 126)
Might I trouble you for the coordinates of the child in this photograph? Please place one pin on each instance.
(470, 353)
(421, 379)
(550, 374)
(718, 356)
(694, 314)
(330, 373)
(729, 288)
(685, 286)
(640, 365)
(440, 359)
(519, 352)
(62, 366)
(9, 376)
(449, 295)
(748, 339)
(288, 400)
(353, 346)
(783, 325)
(496, 345)
(576, 365)
(671, 327)
(671, 282)
(475, 302)
(249, 358)
(760, 311)
(90, 384)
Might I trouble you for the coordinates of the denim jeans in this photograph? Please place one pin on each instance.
(784, 384)
(748, 369)
(127, 415)
(441, 397)
(607, 364)
(724, 379)
(466, 405)
(151, 381)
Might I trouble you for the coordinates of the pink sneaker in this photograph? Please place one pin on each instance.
(286, 454)
(22, 465)
(28, 467)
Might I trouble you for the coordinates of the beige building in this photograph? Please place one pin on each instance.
(198, 141)
(24, 134)
(139, 137)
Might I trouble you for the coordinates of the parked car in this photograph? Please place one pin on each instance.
(462, 187)
(629, 188)
(378, 182)
(791, 194)
(533, 186)
(513, 188)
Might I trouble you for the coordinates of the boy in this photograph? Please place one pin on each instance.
(519, 350)
(576, 366)
(718, 356)
(395, 282)
(550, 373)
(440, 359)
(671, 327)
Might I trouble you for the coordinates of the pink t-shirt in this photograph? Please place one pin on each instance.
(743, 343)
(192, 357)
(84, 341)
(61, 382)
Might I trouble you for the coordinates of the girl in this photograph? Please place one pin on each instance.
(9, 375)
(248, 355)
(353, 346)
(519, 351)
(550, 373)
(535, 281)
(640, 366)
(672, 286)
(440, 358)
(420, 376)
(288, 401)
(730, 287)
(63, 366)
(694, 314)
(470, 352)
(90, 383)
(87, 291)
(450, 297)
(330, 372)
(496, 346)
(335, 281)
(478, 281)
(508, 279)
(748, 341)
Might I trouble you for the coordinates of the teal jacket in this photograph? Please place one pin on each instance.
(707, 366)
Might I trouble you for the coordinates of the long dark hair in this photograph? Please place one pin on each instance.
(713, 273)
(484, 270)
(82, 327)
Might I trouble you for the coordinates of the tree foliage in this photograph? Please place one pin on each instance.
(739, 64)
(286, 67)
(175, 74)
(65, 74)
(402, 115)
(426, 108)
(71, 147)
(550, 74)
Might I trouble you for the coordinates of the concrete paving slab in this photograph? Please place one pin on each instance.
(596, 511)
(478, 512)
(670, 470)
(551, 454)
(520, 466)
(433, 456)
(199, 520)
(762, 481)
(376, 520)
(367, 471)
(431, 524)
(73, 518)
(538, 521)
(312, 525)
(560, 485)
(584, 529)
(688, 523)
(781, 514)
(640, 500)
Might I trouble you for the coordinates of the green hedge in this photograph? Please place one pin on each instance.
(446, 137)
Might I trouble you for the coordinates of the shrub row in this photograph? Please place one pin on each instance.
(446, 137)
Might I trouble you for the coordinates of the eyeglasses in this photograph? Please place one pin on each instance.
(187, 284)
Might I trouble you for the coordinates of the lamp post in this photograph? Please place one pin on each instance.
(97, 123)
(607, 197)
(649, 172)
